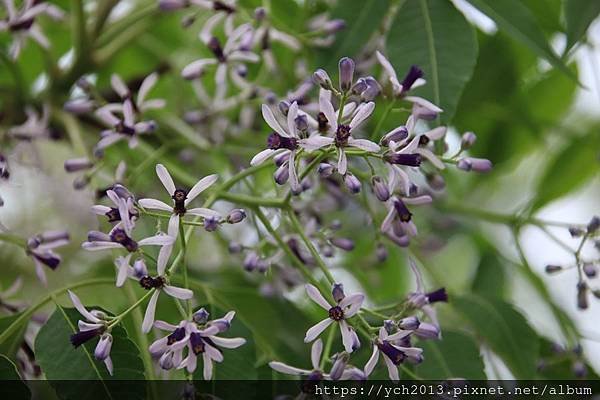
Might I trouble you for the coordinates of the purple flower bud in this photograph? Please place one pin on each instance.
(103, 347)
(427, 331)
(281, 158)
(436, 181)
(251, 262)
(122, 191)
(172, 5)
(284, 107)
(260, 13)
(360, 86)
(474, 164)
(380, 189)
(390, 326)
(236, 216)
(412, 75)
(579, 369)
(84, 84)
(381, 253)
(339, 365)
(78, 164)
(352, 183)
(201, 316)
(81, 337)
(590, 270)
(81, 182)
(235, 247)
(139, 268)
(342, 243)
(166, 360)
(582, 298)
(338, 292)
(282, 174)
(322, 79)
(409, 323)
(327, 251)
(373, 89)
(575, 232)
(325, 170)
(551, 269)
(333, 26)
(346, 71)
(301, 122)
(468, 140)
(211, 224)
(396, 135)
(593, 225)
(437, 296)
(410, 160)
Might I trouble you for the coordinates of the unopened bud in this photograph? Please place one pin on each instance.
(78, 164)
(171, 5)
(79, 106)
(333, 26)
(281, 174)
(236, 216)
(396, 135)
(284, 107)
(593, 225)
(409, 323)
(338, 292)
(346, 72)
(235, 247)
(582, 298)
(322, 79)
(352, 183)
(575, 232)
(380, 189)
(342, 243)
(325, 170)
(201, 316)
(590, 270)
(81, 182)
(468, 140)
(551, 269)
(474, 164)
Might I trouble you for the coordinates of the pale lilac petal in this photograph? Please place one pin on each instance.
(95, 246)
(122, 264)
(327, 108)
(370, 365)
(244, 56)
(201, 186)
(315, 142)
(351, 304)
(392, 369)
(291, 119)
(165, 326)
(401, 334)
(163, 257)
(86, 326)
(419, 200)
(342, 165)
(165, 178)
(315, 353)
(173, 226)
(287, 369)
(177, 292)
(154, 204)
(204, 212)
(213, 353)
(13, 288)
(294, 182)
(109, 365)
(412, 146)
(208, 367)
(272, 121)
(389, 70)
(228, 343)
(128, 113)
(363, 144)
(119, 86)
(317, 329)
(100, 209)
(436, 133)
(431, 157)
(79, 306)
(150, 311)
(158, 240)
(145, 87)
(108, 140)
(262, 156)
(424, 103)
(158, 347)
(362, 114)
(349, 337)
(316, 296)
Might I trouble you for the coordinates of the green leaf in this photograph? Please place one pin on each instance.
(579, 14)
(570, 168)
(504, 330)
(361, 23)
(455, 356)
(15, 389)
(515, 19)
(490, 279)
(10, 346)
(60, 362)
(435, 36)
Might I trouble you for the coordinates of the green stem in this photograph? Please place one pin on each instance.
(135, 305)
(328, 344)
(13, 239)
(185, 270)
(313, 251)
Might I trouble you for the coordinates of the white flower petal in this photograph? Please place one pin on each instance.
(363, 144)
(351, 304)
(362, 114)
(432, 158)
(204, 212)
(342, 165)
(228, 343)
(79, 306)
(145, 87)
(291, 119)
(316, 296)
(272, 121)
(392, 369)
(349, 337)
(158, 240)
(315, 142)
(201, 186)
(315, 353)
(208, 367)
(165, 178)
(154, 204)
(177, 292)
(326, 108)
(370, 365)
(313, 332)
(287, 369)
(150, 311)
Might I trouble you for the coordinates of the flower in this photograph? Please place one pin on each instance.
(124, 269)
(160, 284)
(22, 23)
(40, 248)
(140, 104)
(95, 324)
(124, 128)
(199, 336)
(124, 214)
(344, 307)
(316, 374)
(34, 127)
(286, 142)
(397, 224)
(412, 79)
(393, 354)
(342, 132)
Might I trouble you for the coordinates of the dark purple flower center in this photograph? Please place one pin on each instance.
(411, 160)
(437, 295)
(179, 198)
(21, 25)
(395, 355)
(113, 215)
(424, 140)
(125, 129)
(48, 259)
(220, 6)
(176, 336)
(197, 343)
(341, 135)
(336, 313)
(215, 46)
(275, 141)
(79, 338)
(323, 122)
(413, 74)
(120, 236)
(403, 213)
(148, 282)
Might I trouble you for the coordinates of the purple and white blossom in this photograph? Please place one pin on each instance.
(392, 354)
(398, 224)
(159, 284)
(41, 249)
(345, 307)
(94, 325)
